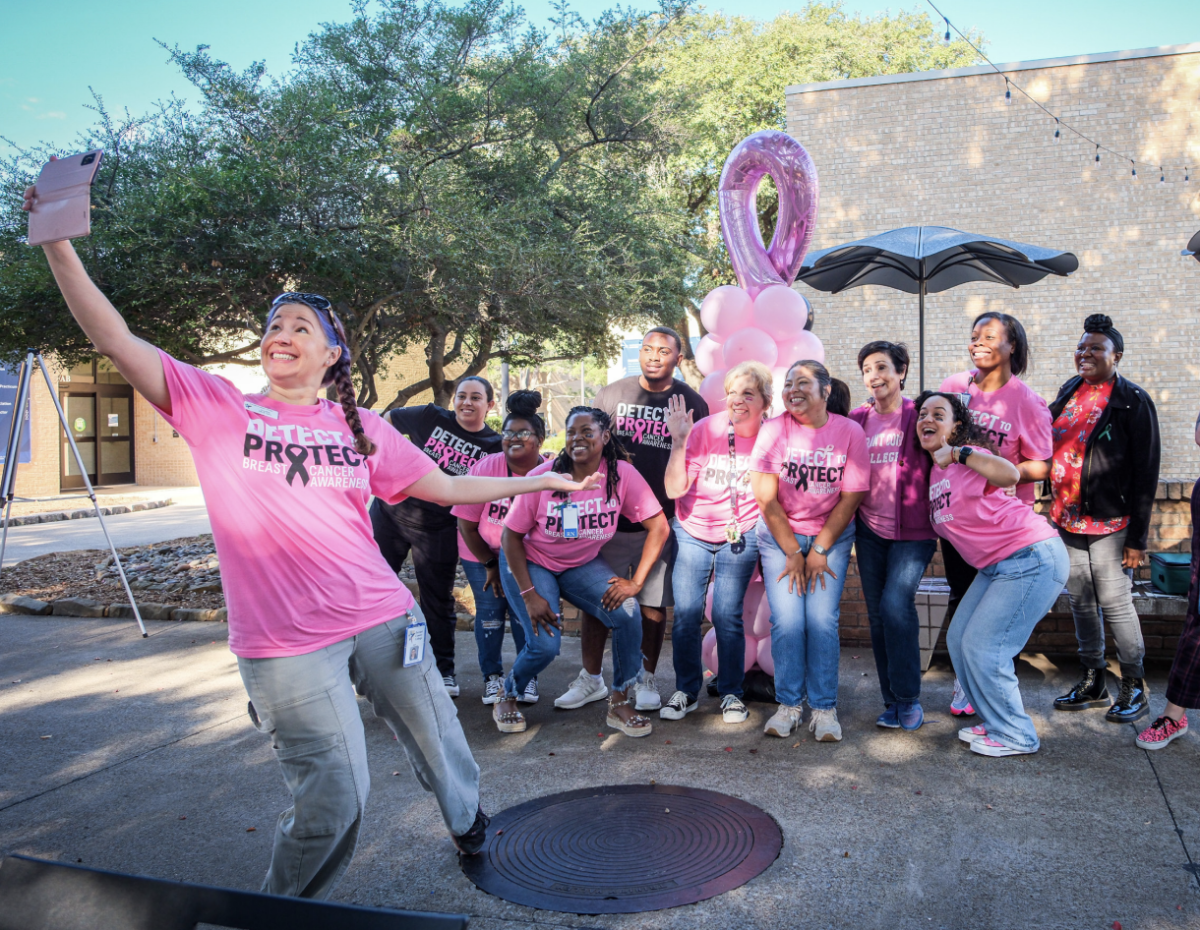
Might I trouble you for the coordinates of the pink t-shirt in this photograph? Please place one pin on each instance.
(704, 511)
(814, 466)
(884, 440)
(490, 517)
(1016, 420)
(983, 523)
(538, 518)
(287, 495)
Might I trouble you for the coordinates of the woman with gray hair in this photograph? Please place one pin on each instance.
(708, 474)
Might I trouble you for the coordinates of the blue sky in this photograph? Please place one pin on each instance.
(110, 46)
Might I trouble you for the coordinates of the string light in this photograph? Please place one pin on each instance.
(1058, 124)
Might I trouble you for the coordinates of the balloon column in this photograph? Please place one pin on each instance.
(762, 319)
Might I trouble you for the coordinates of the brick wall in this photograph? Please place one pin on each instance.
(949, 152)
(161, 458)
(40, 477)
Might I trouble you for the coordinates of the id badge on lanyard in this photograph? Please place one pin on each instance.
(570, 520)
(415, 637)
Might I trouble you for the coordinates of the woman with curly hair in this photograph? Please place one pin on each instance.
(551, 551)
(1021, 566)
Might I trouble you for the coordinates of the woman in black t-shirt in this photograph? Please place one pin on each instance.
(456, 441)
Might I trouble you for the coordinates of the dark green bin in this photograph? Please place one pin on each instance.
(1171, 572)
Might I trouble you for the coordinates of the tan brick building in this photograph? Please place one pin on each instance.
(941, 148)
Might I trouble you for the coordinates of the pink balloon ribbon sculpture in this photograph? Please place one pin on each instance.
(762, 319)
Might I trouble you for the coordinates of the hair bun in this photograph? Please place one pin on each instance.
(1098, 323)
(524, 404)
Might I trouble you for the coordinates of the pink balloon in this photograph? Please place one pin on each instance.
(780, 312)
(709, 356)
(754, 596)
(760, 624)
(784, 159)
(724, 310)
(751, 653)
(765, 660)
(750, 344)
(804, 346)
(712, 389)
(708, 651)
(708, 602)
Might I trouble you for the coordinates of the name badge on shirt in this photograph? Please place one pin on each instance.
(570, 521)
(262, 411)
(414, 644)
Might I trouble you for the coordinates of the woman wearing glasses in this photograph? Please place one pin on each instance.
(455, 440)
(479, 529)
(709, 474)
(314, 610)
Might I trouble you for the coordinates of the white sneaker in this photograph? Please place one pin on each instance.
(531, 693)
(733, 710)
(493, 690)
(786, 719)
(678, 707)
(584, 689)
(451, 684)
(648, 697)
(824, 726)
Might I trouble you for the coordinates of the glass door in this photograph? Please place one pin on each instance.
(81, 420)
(114, 430)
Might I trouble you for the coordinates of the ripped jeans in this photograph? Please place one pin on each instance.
(490, 614)
(306, 704)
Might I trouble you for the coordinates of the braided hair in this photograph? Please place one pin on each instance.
(523, 405)
(612, 451)
(1102, 325)
(339, 372)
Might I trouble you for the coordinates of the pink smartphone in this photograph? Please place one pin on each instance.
(62, 206)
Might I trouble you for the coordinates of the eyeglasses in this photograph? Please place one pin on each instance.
(518, 434)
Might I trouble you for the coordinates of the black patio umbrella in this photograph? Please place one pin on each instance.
(928, 259)
(1193, 247)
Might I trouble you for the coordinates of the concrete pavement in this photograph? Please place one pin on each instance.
(886, 829)
(186, 517)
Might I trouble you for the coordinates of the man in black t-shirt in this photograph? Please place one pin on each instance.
(638, 407)
(456, 441)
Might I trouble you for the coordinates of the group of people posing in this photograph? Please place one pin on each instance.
(314, 504)
(696, 504)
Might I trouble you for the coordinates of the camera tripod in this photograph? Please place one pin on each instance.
(8, 481)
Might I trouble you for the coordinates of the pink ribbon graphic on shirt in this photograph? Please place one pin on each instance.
(639, 427)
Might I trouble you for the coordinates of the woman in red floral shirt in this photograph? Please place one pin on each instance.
(1103, 475)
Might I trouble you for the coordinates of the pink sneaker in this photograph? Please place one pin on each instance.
(1161, 732)
(986, 746)
(959, 705)
(970, 734)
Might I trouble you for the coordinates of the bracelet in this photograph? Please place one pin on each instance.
(527, 590)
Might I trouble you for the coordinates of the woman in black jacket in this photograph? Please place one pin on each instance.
(1103, 476)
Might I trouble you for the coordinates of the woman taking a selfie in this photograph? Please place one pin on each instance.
(809, 471)
(892, 536)
(551, 552)
(1021, 566)
(1011, 416)
(479, 529)
(708, 473)
(314, 610)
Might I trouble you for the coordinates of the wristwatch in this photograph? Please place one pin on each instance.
(819, 549)
(491, 563)
(964, 452)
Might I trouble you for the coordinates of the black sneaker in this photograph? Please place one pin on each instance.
(1133, 702)
(472, 841)
(1091, 691)
(451, 684)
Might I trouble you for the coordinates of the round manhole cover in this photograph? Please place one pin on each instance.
(623, 849)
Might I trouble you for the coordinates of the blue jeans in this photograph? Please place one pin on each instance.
(891, 571)
(993, 623)
(490, 612)
(695, 561)
(584, 587)
(804, 627)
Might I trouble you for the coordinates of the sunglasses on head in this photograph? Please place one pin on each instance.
(316, 301)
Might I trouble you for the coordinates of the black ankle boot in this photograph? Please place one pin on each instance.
(1133, 701)
(1090, 692)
